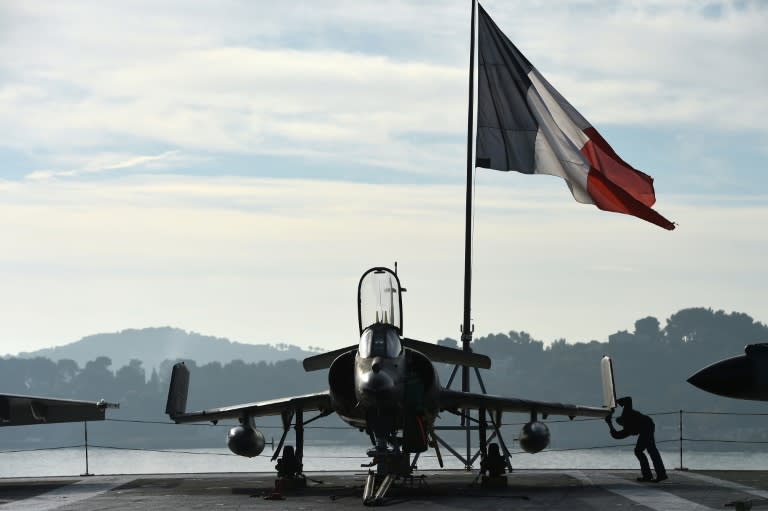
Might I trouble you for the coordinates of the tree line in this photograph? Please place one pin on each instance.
(652, 363)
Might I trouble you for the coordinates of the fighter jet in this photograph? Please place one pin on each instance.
(17, 410)
(741, 377)
(386, 386)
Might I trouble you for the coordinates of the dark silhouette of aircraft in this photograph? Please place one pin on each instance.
(18, 410)
(387, 386)
(741, 377)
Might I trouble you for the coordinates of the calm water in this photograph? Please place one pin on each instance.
(331, 457)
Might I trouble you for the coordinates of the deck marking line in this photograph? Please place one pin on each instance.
(68, 494)
(727, 484)
(652, 496)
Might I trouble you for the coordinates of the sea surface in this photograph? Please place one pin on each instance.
(72, 461)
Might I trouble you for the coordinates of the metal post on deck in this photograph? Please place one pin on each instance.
(85, 429)
(299, 428)
(680, 424)
(483, 437)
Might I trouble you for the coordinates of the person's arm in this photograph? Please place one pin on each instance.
(618, 435)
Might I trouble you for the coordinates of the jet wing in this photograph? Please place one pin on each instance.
(19, 410)
(434, 352)
(324, 360)
(437, 353)
(320, 401)
(176, 406)
(454, 400)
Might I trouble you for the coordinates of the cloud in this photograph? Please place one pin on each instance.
(652, 62)
(345, 81)
(92, 90)
(107, 162)
(245, 257)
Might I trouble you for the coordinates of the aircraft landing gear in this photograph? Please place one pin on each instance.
(290, 466)
(389, 466)
(374, 499)
(289, 470)
(493, 468)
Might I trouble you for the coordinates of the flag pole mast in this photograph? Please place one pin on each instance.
(466, 328)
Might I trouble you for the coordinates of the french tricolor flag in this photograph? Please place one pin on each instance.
(525, 125)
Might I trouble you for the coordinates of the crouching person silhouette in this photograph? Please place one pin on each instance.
(635, 423)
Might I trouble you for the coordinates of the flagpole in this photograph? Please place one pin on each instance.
(466, 328)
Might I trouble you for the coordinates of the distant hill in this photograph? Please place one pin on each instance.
(153, 345)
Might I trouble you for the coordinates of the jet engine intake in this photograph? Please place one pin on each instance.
(245, 441)
(534, 437)
(341, 383)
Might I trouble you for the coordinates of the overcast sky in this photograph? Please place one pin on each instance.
(232, 168)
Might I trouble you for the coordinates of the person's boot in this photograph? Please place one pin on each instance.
(660, 478)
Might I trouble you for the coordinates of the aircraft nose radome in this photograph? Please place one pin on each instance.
(378, 382)
(730, 378)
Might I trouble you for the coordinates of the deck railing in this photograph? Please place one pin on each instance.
(684, 439)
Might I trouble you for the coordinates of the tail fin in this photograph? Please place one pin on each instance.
(609, 389)
(177, 391)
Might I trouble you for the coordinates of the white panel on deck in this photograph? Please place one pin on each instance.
(650, 495)
(68, 494)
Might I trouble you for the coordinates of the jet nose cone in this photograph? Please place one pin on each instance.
(378, 382)
(377, 389)
(729, 378)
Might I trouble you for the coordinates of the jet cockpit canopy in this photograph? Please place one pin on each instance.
(379, 299)
(380, 341)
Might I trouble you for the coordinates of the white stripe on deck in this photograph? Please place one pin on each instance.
(726, 484)
(67, 494)
(650, 495)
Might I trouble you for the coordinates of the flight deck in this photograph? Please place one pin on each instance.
(554, 490)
